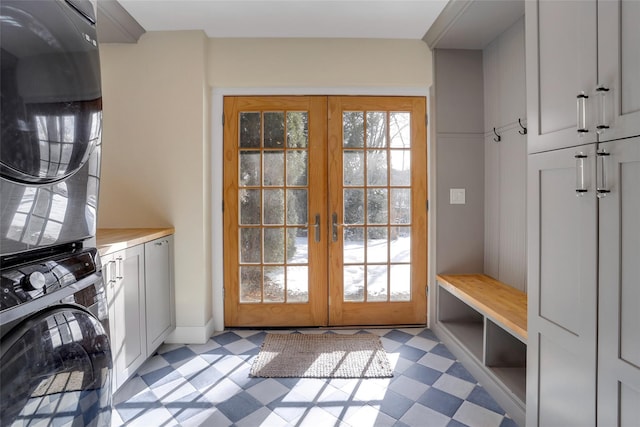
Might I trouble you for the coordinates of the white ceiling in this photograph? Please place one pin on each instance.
(395, 19)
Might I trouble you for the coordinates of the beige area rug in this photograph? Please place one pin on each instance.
(321, 356)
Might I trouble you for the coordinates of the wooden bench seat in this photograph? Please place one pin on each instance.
(503, 304)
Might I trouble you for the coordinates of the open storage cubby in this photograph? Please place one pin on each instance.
(488, 320)
(506, 357)
(465, 323)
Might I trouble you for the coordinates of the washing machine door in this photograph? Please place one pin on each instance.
(55, 369)
(51, 89)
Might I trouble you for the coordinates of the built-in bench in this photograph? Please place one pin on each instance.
(487, 319)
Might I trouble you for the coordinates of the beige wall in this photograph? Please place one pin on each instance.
(158, 145)
(156, 151)
(319, 63)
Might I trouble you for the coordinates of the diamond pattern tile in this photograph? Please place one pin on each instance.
(209, 385)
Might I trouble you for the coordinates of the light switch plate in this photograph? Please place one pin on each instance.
(457, 196)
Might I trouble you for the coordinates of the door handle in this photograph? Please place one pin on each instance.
(334, 227)
(316, 227)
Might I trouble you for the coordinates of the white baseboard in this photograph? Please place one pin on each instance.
(191, 334)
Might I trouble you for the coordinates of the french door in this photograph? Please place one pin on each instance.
(325, 217)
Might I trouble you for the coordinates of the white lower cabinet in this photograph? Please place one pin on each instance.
(159, 291)
(140, 291)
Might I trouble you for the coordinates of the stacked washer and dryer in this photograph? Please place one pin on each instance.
(55, 358)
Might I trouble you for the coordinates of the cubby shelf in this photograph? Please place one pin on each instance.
(488, 320)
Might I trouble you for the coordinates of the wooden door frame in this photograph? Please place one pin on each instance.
(215, 185)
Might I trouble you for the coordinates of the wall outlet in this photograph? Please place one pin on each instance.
(457, 196)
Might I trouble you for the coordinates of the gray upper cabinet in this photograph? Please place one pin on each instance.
(618, 69)
(561, 50)
(583, 67)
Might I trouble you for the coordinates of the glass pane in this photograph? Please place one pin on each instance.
(377, 244)
(401, 167)
(353, 248)
(297, 207)
(297, 284)
(274, 245)
(274, 284)
(250, 130)
(353, 283)
(400, 244)
(400, 282)
(353, 206)
(250, 284)
(250, 239)
(377, 283)
(376, 129)
(273, 207)
(297, 129)
(353, 167)
(297, 169)
(274, 130)
(250, 207)
(353, 129)
(297, 246)
(377, 167)
(273, 168)
(400, 206)
(249, 168)
(377, 206)
(400, 130)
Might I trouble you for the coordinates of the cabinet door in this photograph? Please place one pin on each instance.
(159, 291)
(127, 312)
(619, 67)
(619, 290)
(561, 51)
(562, 289)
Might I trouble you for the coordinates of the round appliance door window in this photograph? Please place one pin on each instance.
(55, 369)
(51, 93)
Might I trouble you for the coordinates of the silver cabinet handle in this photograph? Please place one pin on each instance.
(111, 272)
(581, 186)
(582, 113)
(162, 242)
(334, 227)
(118, 263)
(602, 188)
(602, 94)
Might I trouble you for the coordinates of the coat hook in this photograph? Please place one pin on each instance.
(524, 129)
(499, 138)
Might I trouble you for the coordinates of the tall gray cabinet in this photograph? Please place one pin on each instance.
(583, 110)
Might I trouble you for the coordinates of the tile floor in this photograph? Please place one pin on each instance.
(209, 385)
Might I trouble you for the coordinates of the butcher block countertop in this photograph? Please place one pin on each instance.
(109, 240)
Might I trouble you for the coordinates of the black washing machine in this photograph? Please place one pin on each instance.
(55, 358)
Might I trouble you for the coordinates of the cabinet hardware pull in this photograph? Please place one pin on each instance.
(119, 268)
(582, 113)
(581, 187)
(602, 189)
(334, 227)
(603, 118)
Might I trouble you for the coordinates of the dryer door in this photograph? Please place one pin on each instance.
(55, 368)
